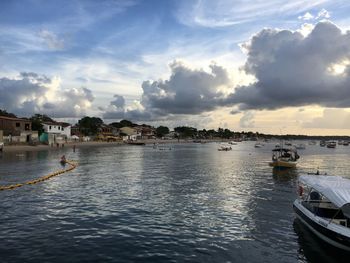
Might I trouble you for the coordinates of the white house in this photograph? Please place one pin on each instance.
(58, 128)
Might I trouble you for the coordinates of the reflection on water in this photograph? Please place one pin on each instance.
(124, 203)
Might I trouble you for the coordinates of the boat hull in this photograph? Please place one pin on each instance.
(321, 229)
(283, 164)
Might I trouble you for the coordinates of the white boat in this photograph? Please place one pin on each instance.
(224, 147)
(331, 144)
(284, 158)
(232, 143)
(258, 145)
(323, 205)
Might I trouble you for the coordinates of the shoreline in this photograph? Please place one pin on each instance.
(70, 145)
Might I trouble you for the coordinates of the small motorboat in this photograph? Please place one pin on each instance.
(258, 145)
(284, 158)
(323, 205)
(322, 143)
(224, 147)
(331, 144)
(135, 142)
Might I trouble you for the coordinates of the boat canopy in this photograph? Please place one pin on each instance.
(335, 188)
(283, 150)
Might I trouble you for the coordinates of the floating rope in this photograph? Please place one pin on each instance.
(40, 179)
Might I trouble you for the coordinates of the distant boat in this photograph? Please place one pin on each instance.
(345, 143)
(323, 207)
(258, 145)
(135, 143)
(232, 143)
(300, 146)
(284, 158)
(312, 142)
(322, 143)
(331, 144)
(224, 147)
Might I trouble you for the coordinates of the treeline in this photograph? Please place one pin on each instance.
(90, 126)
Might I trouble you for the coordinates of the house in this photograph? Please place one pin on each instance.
(107, 133)
(131, 133)
(17, 129)
(59, 128)
(147, 132)
(14, 126)
(56, 132)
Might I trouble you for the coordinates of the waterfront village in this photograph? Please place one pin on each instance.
(43, 130)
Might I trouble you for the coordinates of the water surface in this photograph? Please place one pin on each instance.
(135, 203)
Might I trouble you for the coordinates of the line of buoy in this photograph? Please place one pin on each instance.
(41, 179)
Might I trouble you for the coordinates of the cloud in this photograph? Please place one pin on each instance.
(186, 92)
(116, 108)
(247, 120)
(52, 40)
(33, 93)
(306, 16)
(293, 70)
(223, 13)
(331, 119)
(323, 14)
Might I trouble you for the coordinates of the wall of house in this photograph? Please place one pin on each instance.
(57, 129)
(14, 126)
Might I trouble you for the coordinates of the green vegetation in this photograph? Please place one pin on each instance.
(7, 114)
(161, 131)
(89, 125)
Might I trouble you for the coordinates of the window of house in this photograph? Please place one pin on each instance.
(50, 127)
(59, 127)
(18, 124)
(62, 129)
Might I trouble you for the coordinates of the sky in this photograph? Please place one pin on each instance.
(280, 67)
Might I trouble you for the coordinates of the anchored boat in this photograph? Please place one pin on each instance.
(323, 206)
(284, 158)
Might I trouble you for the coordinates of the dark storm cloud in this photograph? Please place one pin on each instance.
(27, 95)
(293, 70)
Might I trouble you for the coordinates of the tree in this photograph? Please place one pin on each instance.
(37, 122)
(161, 131)
(123, 123)
(186, 132)
(89, 125)
(7, 114)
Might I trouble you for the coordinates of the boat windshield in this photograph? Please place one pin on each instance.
(321, 206)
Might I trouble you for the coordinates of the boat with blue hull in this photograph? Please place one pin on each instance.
(323, 205)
